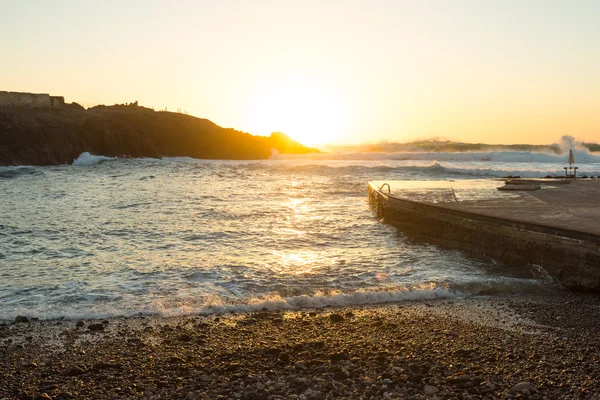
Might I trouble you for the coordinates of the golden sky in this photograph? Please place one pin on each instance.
(323, 71)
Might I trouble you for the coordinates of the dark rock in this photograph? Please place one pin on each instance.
(79, 323)
(75, 371)
(102, 365)
(184, 338)
(458, 380)
(273, 351)
(137, 342)
(298, 347)
(96, 327)
(519, 387)
(340, 376)
(336, 318)
(464, 352)
(21, 319)
(232, 367)
(338, 356)
(430, 389)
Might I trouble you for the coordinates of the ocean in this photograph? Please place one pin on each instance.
(108, 237)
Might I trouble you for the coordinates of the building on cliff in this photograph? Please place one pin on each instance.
(17, 99)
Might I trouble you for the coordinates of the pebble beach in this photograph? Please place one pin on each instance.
(526, 346)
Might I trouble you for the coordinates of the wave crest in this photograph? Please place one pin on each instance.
(211, 303)
(87, 159)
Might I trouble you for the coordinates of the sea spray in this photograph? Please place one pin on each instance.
(86, 159)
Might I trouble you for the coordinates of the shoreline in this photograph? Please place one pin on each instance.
(474, 347)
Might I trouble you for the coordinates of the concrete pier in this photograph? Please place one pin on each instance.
(556, 228)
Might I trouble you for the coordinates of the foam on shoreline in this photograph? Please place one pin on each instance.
(208, 304)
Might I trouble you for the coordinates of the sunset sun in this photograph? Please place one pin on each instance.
(306, 110)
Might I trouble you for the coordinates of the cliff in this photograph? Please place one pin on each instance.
(36, 136)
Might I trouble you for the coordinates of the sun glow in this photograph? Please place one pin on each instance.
(305, 109)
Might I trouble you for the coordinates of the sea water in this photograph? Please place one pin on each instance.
(110, 237)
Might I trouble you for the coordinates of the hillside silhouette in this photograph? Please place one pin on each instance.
(36, 136)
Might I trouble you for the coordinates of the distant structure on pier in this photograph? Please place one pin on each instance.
(39, 100)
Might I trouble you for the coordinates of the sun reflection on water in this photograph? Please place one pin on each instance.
(300, 262)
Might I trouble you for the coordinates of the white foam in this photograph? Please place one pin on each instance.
(336, 299)
(87, 159)
(220, 302)
(212, 303)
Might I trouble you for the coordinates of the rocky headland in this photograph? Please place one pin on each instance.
(52, 136)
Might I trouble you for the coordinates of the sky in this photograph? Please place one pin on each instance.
(344, 72)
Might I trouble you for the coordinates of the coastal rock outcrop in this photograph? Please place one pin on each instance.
(51, 136)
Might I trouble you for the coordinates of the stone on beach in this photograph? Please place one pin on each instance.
(519, 387)
(75, 371)
(184, 338)
(96, 327)
(336, 318)
(429, 390)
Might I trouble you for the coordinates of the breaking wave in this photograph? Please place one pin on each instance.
(212, 303)
(87, 159)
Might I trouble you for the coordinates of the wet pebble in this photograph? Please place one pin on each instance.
(96, 327)
(336, 318)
